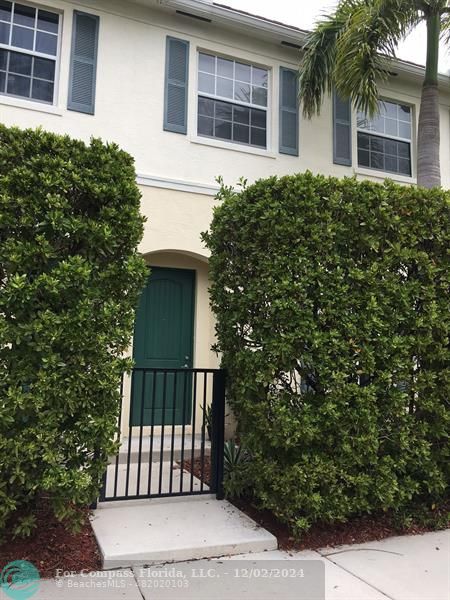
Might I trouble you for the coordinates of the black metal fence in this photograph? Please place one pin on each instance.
(175, 436)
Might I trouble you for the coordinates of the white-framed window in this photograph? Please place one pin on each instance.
(29, 41)
(232, 100)
(384, 142)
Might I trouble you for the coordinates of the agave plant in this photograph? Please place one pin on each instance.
(236, 458)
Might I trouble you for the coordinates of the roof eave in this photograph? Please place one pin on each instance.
(238, 20)
(277, 32)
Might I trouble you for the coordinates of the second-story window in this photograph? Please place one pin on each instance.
(28, 51)
(384, 143)
(232, 101)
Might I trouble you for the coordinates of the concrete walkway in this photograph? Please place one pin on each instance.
(402, 568)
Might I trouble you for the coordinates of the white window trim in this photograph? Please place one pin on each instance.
(228, 144)
(33, 103)
(204, 140)
(371, 171)
(383, 175)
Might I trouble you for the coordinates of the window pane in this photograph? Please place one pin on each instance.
(225, 67)
(259, 118)
(44, 69)
(3, 59)
(376, 144)
(46, 43)
(242, 92)
(241, 133)
(363, 158)
(223, 130)
(19, 86)
(206, 126)
(259, 96)
(207, 63)
(390, 147)
(224, 87)
(5, 10)
(2, 82)
(206, 83)
(22, 38)
(403, 149)
(243, 72)
(391, 110)
(259, 77)
(42, 90)
(4, 33)
(224, 111)
(206, 107)
(376, 160)
(391, 164)
(405, 113)
(405, 130)
(24, 15)
(377, 124)
(363, 141)
(361, 120)
(404, 166)
(20, 63)
(258, 137)
(241, 114)
(48, 21)
(391, 127)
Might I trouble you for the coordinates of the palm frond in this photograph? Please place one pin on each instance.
(317, 65)
(350, 48)
(445, 26)
(364, 49)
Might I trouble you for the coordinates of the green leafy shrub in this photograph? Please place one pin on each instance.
(70, 276)
(332, 305)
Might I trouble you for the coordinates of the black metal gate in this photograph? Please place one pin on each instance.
(175, 440)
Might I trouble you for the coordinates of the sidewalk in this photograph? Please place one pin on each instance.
(401, 568)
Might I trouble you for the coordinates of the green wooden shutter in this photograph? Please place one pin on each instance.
(83, 63)
(176, 85)
(342, 131)
(289, 117)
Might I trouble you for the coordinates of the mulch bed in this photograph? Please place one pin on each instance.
(197, 470)
(52, 547)
(367, 528)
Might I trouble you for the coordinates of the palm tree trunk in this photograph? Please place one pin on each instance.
(428, 138)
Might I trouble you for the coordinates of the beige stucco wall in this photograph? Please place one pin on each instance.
(175, 220)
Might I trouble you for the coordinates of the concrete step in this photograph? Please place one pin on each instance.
(146, 533)
(143, 448)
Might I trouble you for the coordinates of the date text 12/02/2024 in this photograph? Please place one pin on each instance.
(232, 579)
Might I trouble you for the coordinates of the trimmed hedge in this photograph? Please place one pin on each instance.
(70, 276)
(332, 305)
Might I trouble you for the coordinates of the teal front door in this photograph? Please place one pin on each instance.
(163, 339)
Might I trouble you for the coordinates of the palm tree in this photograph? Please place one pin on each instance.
(350, 50)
